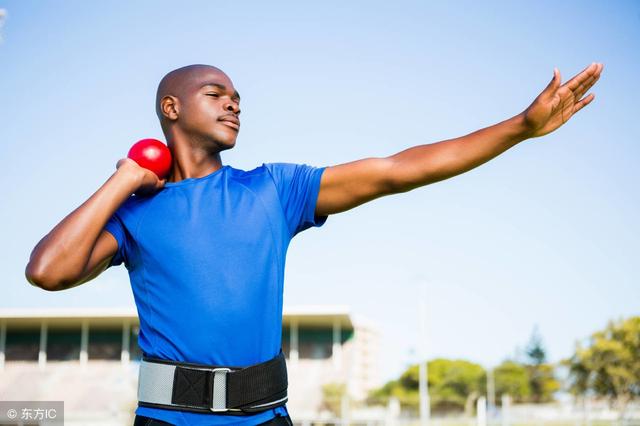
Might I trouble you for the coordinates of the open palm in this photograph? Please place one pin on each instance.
(556, 104)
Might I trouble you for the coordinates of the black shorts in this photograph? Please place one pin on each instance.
(147, 421)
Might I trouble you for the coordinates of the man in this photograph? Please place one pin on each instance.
(205, 248)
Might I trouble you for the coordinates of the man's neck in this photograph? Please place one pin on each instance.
(190, 162)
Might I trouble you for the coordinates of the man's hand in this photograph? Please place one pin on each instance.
(556, 104)
(148, 181)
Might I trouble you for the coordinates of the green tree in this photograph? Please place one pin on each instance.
(535, 350)
(332, 394)
(542, 381)
(453, 385)
(609, 365)
(512, 378)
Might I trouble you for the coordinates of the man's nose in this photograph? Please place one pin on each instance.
(233, 106)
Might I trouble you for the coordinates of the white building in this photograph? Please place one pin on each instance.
(89, 359)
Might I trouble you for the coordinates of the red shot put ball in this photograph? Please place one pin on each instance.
(153, 155)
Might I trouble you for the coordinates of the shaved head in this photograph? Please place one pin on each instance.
(199, 105)
(181, 82)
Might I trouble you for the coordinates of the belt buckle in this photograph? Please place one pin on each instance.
(219, 390)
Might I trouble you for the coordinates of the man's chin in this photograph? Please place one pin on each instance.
(224, 142)
(223, 146)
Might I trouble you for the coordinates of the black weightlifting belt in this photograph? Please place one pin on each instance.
(213, 389)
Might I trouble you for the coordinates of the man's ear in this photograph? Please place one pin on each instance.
(169, 107)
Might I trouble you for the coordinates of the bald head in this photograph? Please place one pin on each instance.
(182, 82)
(198, 103)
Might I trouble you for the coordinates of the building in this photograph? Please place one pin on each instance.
(90, 358)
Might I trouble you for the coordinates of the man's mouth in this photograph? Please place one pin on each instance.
(231, 121)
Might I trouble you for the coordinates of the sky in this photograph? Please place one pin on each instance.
(544, 235)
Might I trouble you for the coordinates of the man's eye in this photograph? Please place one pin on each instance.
(213, 94)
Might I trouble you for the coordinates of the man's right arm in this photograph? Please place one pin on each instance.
(78, 249)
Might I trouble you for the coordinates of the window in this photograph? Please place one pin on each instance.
(22, 345)
(105, 343)
(315, 343)
(63, 344)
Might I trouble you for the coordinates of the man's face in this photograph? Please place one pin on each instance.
(210, 109)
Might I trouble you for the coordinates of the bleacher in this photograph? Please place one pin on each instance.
(89, 360)
(98, 393)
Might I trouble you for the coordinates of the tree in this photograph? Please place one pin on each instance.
(453, 385)
(609, 365)
(535, 351)
(332, 395)
(512, 378)
(542, 380)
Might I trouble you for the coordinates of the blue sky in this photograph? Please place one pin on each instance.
(545, 234)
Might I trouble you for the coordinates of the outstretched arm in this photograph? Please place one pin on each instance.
(348, 185)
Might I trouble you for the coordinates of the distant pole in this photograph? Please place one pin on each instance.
(425, 408)
(491, 392)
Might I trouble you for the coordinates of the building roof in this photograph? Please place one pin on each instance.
(314, 315)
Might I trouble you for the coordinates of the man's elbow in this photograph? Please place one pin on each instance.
(45, 281)
(392, 177)
(401, 182)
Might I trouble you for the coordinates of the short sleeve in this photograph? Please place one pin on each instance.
(116, 228)
(298, 188)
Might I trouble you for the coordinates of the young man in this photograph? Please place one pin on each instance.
(205, 248)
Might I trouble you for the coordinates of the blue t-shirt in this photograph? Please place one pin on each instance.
(206, 260)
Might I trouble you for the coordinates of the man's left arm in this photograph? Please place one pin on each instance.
(348, 185)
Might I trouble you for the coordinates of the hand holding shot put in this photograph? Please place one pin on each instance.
(151, 160)
(149, 180)
(205, 245)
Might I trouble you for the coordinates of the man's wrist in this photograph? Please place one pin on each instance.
(521, 130)
(129, 177)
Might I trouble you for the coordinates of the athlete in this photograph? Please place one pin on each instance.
(205, 248)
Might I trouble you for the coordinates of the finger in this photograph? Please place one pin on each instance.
(582, 89)
(581, 77)
(584, 102)
(599, 68)
(554, 83)
(596, 75)
(121, 162)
